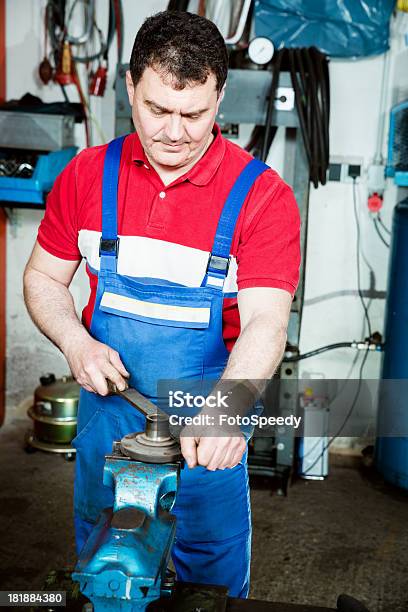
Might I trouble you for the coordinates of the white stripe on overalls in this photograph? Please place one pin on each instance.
(151, 258)
(154, 310)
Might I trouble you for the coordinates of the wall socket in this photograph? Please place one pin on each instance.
(344, 169)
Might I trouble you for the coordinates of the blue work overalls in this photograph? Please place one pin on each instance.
(163, 330)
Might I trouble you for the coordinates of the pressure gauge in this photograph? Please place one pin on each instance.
(260, 50)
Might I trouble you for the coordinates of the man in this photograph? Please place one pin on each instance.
(192, 253)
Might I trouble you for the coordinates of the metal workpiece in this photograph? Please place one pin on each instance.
(155, 444)
(124, 562)
(151, 445)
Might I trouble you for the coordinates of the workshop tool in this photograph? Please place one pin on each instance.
(54, 415)
(123, 564)
(155, 444)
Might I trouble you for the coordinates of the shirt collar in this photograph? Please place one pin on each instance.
(203, 171)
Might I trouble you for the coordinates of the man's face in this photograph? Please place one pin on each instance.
(174, 126)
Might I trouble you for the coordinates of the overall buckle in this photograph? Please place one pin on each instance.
(218, 264)
(109, 246)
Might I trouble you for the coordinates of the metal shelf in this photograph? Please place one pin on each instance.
(28, 205)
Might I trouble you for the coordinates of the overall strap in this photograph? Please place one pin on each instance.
(218, 261)
(109, 245)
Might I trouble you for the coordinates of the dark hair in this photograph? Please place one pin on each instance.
(183, 45)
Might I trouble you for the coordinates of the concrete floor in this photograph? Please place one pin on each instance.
(346, 534)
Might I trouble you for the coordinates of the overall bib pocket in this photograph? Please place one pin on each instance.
(159, 326)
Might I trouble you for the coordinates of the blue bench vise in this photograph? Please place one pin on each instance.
(123, 565)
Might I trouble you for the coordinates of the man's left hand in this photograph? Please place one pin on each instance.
(214, 453)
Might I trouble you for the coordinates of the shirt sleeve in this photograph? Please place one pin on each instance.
(268, 253)
(58, 231)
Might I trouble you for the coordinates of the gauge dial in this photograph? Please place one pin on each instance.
(260, 50)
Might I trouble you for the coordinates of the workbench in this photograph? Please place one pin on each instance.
(186, 598)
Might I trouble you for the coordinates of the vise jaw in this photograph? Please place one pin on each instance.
(123, 563)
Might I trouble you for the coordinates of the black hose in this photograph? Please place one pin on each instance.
(381, 222)
(322, 349)
(300, 107)
(310, 81)
(111, 28)
(267, 140)
(381, 237)
(64, 93)
(358, 241)
(177, 5)
(55, 20)
(345, 421)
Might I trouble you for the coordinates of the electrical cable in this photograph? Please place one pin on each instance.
(308, 68)
(381, 222)
(337, 394)
(55, 23)
(55, 18)
(85, 106)
(366, 319)
(366, 315)
(316, 128)
(64, 93)
(353, 404)
(256, 136)
(58, 29)
(353, 363)
(369, 343)
(318, 351)
(89, 9)
(324, 79)
(103, 50)
(310, 81)
(381, 237)
(300, 108)
(372, 273)
(267, 136)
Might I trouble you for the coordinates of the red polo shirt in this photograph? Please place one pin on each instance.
(167, 232)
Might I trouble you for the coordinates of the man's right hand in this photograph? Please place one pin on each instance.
(93, 363)
(51, 307)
